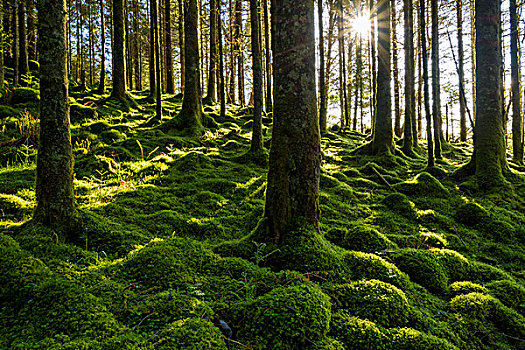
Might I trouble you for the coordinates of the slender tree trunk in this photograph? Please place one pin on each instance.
(31, 31)
(342, 68)
(119, 51)
(436, 85)
(156, 39)
(257, 137)
(212, 72)
(191, 113)
(135, 45)
(233, 57)
(91, 49)
(23, 64)
(268, 55)
(2, 50)
(181, 44)
(102, 81)
(222, 92)
(395, 72)
(56, 205)
(16, 50)
(383, 141)
(292, 195)
(69, 36)
(418, 133)
(239, 47)
(461, 59)
(152, 68)
(473, 56)
(358, 79)
(430, 142)
(408, 134)
(170, 85)
(517, 117)
(129, 52)
(322, 82)
(373, 66)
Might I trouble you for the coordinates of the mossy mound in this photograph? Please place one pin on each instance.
(374, 300)
(471, 214)
(510, 293)
(423, 184)
(466, 287)
(357, 333)
(359, 237)
(13, 205)
(411, 339)
(192, 334)
(399, 203)
(24, 95)
(286, 318)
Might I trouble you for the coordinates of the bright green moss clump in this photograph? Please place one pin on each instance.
(374, 300)
(191, 334)
(411, 339)
(356, 333)
(470, 214)
(423, 184)
(359, 237)
(287, 318)
(399, 203)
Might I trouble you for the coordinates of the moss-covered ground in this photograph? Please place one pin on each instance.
(407, 258)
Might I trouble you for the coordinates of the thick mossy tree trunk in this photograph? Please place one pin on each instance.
(190, 116)
(102, 81)
(119, 52)
(56, 206)
(322, 82)
(461, 74)
(436, 84)
(383, 141)
(517, 116)
(488, 161)
(257, 137)
(410, 95)
(292, 195)
(212, 70)
(431, 162)
(170, 85)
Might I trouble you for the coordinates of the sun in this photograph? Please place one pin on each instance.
(360, 24)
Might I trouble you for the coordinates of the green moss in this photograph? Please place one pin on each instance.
(432, 240)
(374, 300)
(191, 334)
(14, 205)
(193, 161)
(411, 339)
(509, 293)
(471, 214)
(399, 203)
(24, 95)
(287, 318)
(359, 237)
(113, 135)
(356, 333)
(423, 184)
(466, 287)
(78, 112)
(482, 272)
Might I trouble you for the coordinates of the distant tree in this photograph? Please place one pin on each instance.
(410, 96)
(119, 52)
(15, 45)
(102, 82)
(181, 43)
(2, 50)
(170, 85)
(190, 116)
(461, 74)
(292, 195)
(222, 91)
(517, 116)
(23, 64)
(431, 162)
(395, 72)
(322, 81)
(257, 137)
(212, 72)
(56, 206)
(268, 57)
(156, 41)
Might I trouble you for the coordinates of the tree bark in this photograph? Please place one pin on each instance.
(23, 64)
(102, 81)
(156, 38)
(31, 31)
(257, 137)
(383, 141)
(461, 74)
(517, 117)
(222, 92)
(119, 51)
(56, 205)
(191, 112)
(395, 72)
(436, 84)
(170, 85)
(212, 72)
(238, 51)
(373, 66)
(322, 82)
(422, 26)
(410, 98)
(292, 195)
(16, 51)
(268, 57)
(2, 50)
(181, 44)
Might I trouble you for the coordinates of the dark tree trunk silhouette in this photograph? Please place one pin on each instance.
(408, 134)
(102, 81)
(322, 82)
(212, 72)
(181, 44)
(461, 74)
(292, 195)
(156, 38)
(436, 85)
(23, 64)
(424, 54)
(119, 51)
(268, 57)
(54, 173)
(170, 85)
(517, 116)
(257, 137)
(395, 72)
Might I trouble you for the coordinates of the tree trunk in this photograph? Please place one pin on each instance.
(31, 31)
(373, 67)
(383, 141)
(56, 205)
(517, 117)
(15, 48)
(436, 85)
(342, 67)
(268, 56)
(358, 78)
(422, 26)
(135, 46)
(418, 129)
(191, 113)
(102, 81)
(322, 82)
(152, 69)
(2, 50)
(395, 72)
(170, 85)
(232, 63)
(238, 50)
(292, 195)
(119, 51)
(156, 38)
(408, 134)
(222, 92)
(212, 72)
(461, 74)
(181, 44)
(23, 64)
(257, 137)
(473, 56)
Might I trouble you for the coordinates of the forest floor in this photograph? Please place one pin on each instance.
(405, 259)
